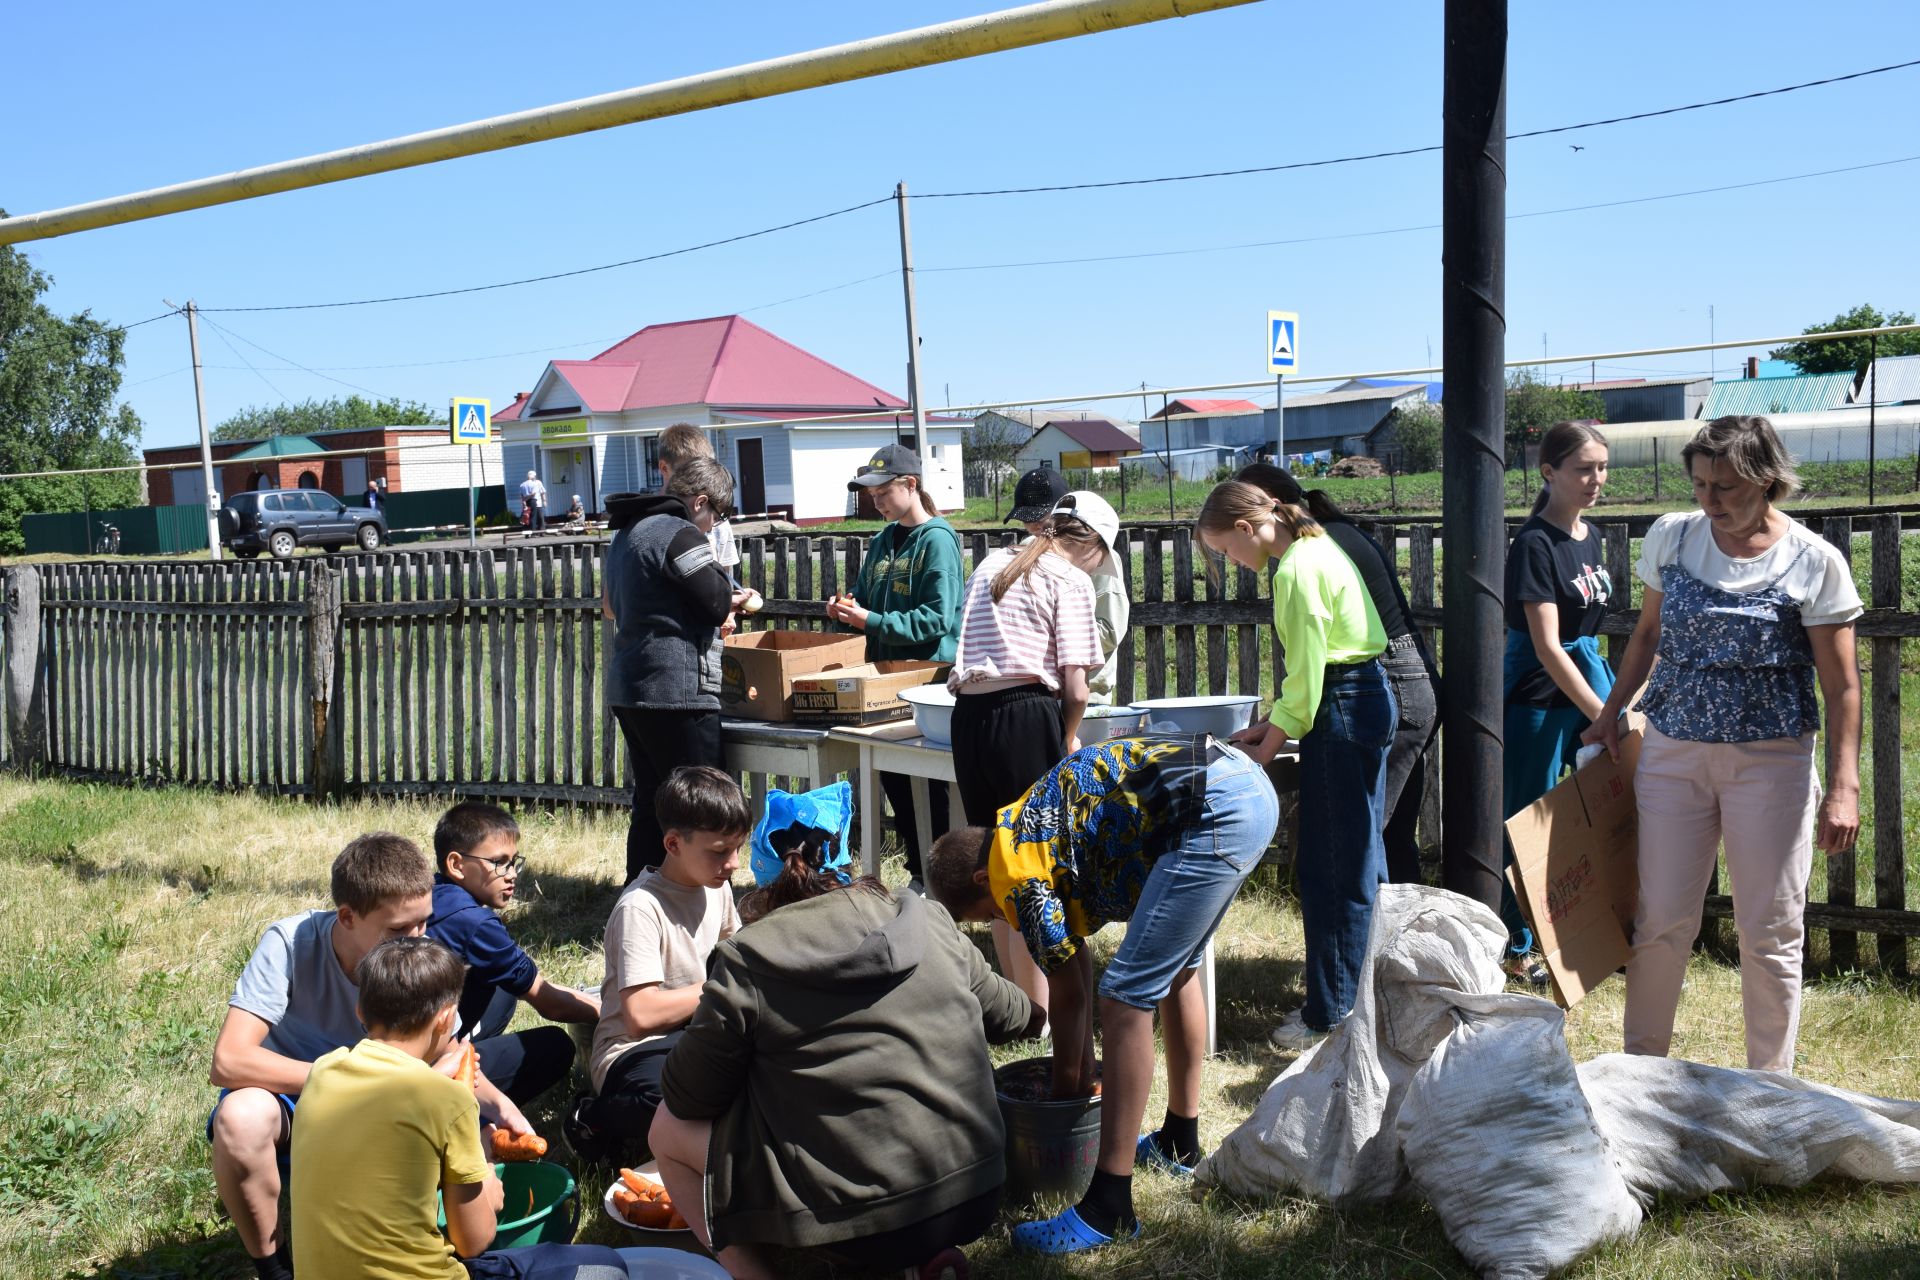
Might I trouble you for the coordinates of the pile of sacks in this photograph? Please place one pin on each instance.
(1442, 1082)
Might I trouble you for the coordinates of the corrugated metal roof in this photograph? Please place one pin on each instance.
(1097, 434)
(276, 447)
(1207, 407)
(1803, 393)
(1898, 380)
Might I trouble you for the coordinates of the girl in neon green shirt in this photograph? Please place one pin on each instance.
(1336, 702)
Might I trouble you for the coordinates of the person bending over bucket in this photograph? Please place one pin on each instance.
(1159, 831)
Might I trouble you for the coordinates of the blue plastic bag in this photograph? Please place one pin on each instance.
(828, 808)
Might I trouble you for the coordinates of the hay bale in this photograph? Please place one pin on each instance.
(1357, 465)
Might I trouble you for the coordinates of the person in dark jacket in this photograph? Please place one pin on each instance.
(833, 1090)
(667, 598)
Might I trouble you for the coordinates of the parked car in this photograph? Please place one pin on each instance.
(278, 520)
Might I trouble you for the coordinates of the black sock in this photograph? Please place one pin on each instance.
(276, 1266)
(1180, 1138)
(1108, 1205)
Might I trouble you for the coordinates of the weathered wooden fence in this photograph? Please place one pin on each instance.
(480, 672)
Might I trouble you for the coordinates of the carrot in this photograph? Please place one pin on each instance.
(650, 1213)
(469, 1065)
(635, 1183)
(513, 1147)
(676, 1222)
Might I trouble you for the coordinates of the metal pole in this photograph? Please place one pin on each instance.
(473, 503)
(1279, 419)
(1473, 300)
(1166, 452)
(1873, 411)
(913, 336)
(206, 444)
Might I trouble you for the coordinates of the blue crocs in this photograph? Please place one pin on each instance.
(1063, 1234)
(1147, 1152)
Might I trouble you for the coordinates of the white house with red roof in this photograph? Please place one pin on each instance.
(592, 427)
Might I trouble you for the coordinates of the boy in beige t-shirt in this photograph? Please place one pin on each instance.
(659, 937)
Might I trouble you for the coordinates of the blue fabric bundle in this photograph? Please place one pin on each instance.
(828, 809)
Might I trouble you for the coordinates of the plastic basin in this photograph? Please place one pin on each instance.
(542, 1206)
(1099, 723)
(1221, 715)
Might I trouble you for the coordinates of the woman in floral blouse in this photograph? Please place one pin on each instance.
(1745, 610)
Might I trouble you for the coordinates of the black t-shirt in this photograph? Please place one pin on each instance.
(1371, 561)
(1546, 564)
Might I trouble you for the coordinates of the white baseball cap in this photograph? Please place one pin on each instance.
(1097, 514)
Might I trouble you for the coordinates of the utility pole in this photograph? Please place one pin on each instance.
(206, 444)
(1473, 302)
(913, 335)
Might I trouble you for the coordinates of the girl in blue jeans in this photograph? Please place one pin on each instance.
(1336, 702)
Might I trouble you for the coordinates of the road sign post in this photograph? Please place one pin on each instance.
(1283, 350)
(471, 424)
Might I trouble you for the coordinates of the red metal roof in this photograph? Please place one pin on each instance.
(721, 360)
(512, 412)
(1208, 406)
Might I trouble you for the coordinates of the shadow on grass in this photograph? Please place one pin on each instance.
(217, 1256)
(553, 908)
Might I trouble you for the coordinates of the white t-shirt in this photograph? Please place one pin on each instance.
(663, 932)
(1820, 580)
(720, 538)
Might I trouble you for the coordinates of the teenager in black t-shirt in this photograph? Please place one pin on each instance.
(1557, 593)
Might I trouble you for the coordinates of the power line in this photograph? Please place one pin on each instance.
(296, 364)
(123, 328)
(1424, 226)
(1414, 151)
(562, 275)
(221, 334)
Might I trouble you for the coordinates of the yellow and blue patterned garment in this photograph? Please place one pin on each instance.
(1074, 853)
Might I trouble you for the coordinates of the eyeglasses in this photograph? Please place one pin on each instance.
(501, 866)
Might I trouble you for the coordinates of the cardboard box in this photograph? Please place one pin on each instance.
(1575, 871)
(867, 694)
(758, 668)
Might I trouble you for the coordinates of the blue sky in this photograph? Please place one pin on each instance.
(133, 97)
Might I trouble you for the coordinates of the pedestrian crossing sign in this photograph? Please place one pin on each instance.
(472, 421)
(1283, 341)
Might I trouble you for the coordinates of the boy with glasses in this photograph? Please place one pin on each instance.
(478, 848)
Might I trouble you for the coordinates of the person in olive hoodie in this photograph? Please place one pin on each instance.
(906, 601)
(833, 1091)
(667, 598)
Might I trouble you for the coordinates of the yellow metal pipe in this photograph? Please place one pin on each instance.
(944, 42)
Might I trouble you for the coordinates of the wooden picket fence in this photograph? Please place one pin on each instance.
(453, 671)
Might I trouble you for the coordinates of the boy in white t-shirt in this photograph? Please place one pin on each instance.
(659, 938)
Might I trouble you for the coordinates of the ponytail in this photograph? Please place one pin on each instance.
(1233, 501)
(1056, 534)
(1280, 484)
(804, 875)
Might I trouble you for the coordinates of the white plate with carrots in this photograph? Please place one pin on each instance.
(638, 1201)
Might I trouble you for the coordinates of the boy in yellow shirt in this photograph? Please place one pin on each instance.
(379, 1131)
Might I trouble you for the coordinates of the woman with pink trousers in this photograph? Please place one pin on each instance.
(1746, 610)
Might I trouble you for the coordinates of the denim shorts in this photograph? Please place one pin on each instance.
(1190, 887)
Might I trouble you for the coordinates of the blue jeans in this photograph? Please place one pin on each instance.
(1192, 884)
(1342, 862)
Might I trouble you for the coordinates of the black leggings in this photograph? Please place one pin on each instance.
(898, 788)
(658, 742)
(911, 1246)
(1003, 743)
(631, 1094)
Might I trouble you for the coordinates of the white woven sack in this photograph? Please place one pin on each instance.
(1498, 1137)
(1325, 1127)
(1685, 1129)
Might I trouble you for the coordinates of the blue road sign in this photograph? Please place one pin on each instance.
(472, 421)
(1283, 346)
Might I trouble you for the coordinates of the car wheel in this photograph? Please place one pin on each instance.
(368, 537)
(281, 544)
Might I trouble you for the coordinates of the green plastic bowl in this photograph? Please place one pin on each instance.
(542, 1205)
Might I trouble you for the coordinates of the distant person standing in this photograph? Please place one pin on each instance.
(376, 496)
(533, 500)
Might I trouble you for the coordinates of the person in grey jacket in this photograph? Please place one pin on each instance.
(667, 598)
(833, 1091)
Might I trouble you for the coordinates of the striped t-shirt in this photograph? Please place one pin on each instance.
(1043, 624)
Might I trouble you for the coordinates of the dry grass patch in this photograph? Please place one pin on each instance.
(127, 914)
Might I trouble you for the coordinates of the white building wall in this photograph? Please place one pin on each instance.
(445, 467)
(824, 459)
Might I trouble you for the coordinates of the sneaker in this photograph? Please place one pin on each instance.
(948, 1264)
(587, 1142)
(1294, 1034)
(1147, 1152)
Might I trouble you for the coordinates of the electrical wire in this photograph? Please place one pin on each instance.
(296, 364)
(220, 333)
(1414, 151)
(561, 275)
(123, 328)
(1424, 226)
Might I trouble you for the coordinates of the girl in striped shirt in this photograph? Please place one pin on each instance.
(1028, 642)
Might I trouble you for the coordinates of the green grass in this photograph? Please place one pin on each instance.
(128, 913)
